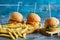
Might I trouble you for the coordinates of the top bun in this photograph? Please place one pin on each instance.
(52, 22)
(33, 18)
(16, 16)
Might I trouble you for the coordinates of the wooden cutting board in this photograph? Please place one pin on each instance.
(47, 33)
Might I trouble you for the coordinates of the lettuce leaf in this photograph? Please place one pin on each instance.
(58, 26)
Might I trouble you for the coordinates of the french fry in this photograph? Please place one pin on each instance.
(19, 34)
(24, 30)
(15, 34)
(18, 30)
(30, 29)
(3, 32)
(11, 35)
(10, 26)
(24, 35)
(5, 35)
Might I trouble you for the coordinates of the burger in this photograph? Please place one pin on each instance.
(34, 20)
(15, 17)
(51, 24)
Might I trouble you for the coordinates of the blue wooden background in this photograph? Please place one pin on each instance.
(27, 6)
(42, 8)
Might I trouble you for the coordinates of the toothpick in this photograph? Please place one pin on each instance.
(50, 10)
(18, 6)
(35, 7)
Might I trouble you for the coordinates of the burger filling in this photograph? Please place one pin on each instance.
(48, 28)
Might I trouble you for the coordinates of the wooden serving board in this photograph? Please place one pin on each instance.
(47, 33)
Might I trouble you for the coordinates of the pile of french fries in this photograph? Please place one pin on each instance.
(15, 30)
